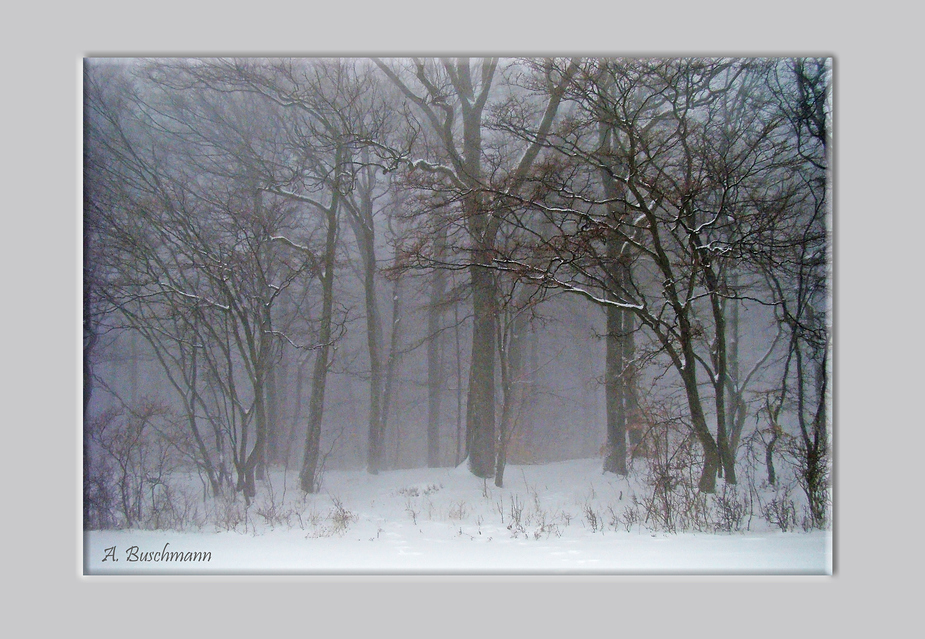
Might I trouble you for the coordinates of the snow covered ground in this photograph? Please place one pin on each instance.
(559, 518)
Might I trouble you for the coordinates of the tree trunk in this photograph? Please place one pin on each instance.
(480, 408)
(504, 430)
(631, 405)
(615, 455)
(435, 373)
(280, 406)
(394, 357)
(461, 452)
(374, 341)
(711, 460)
(719, 360)
(254, 465)
(737, 406)
(510, 356)
(308, 476)
(726, 453)
(617, 323)
(769, 457)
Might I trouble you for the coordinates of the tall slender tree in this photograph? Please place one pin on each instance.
(444, 93)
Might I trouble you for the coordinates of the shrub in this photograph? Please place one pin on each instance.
(731, 509)
(132, 461)
(780, 510)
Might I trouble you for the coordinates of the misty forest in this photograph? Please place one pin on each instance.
(301, 275)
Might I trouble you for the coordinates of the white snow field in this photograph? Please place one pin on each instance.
(559, 519)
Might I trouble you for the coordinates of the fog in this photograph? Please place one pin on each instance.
(302, 267)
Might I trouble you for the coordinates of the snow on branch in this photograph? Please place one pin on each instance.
(547, 278)
(192, 296)
(275, 190)
(440, 169)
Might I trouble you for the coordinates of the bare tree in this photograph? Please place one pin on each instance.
(683, 198)
(800, 276)
(690, 187)
(200, 260)
(446, 92)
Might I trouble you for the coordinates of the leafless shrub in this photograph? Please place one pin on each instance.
(731, 509)
(309, 519)
(781, 511)
(811, 466)
(133, 460)
(458, 510)
(673, 501)
(592, 518)
(274, 514)
(545, 530)
(417, 491)
(515, 524)
(336, 522)
(174, 507)
(340, 517)
(411, 510)
(631, 515)
(229, 513)
(429, 508)
(99, 493)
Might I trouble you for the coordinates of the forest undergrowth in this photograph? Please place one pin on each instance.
(141, 480)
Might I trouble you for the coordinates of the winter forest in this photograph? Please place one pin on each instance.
(408, 296)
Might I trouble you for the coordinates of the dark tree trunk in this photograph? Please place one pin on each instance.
(726, 454)
(480, 408)
(262, 410)
(769, 458)
(684, 358)
(308, 476)
(254, 464)
(719, 361)
(711, 460)
(737, 407)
